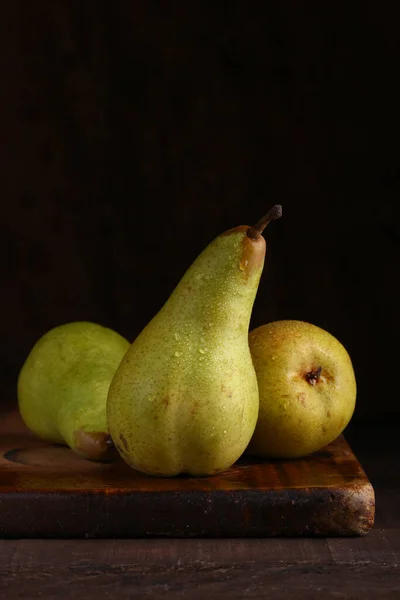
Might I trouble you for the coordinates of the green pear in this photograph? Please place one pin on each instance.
(184, 398)
(307, 388)
(63, 385)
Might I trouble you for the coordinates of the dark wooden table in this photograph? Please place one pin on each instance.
(337, 568)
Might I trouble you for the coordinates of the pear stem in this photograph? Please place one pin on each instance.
(274, 213)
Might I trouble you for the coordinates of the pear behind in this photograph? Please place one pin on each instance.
(307, 388)
(63, 386)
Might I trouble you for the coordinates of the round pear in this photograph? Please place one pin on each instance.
(307, 389)
(63, 386)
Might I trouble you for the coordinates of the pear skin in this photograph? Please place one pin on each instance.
(307, 389)
(63, 386)
(185, 398)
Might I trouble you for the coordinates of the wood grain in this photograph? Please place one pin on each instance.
(48, 491)
(198, 569)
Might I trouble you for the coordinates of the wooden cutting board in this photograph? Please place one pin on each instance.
(48, 491)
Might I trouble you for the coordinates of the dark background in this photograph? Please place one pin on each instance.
(133, 133)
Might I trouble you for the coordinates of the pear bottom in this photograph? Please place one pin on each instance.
(171, 433)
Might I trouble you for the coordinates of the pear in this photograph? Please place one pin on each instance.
(307, 388)
(63, 385)
(184, 398)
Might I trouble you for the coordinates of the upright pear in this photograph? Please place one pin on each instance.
(185, 397)
(63, 385)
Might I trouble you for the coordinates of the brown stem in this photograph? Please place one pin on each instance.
(313, 376)
(274, 213)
